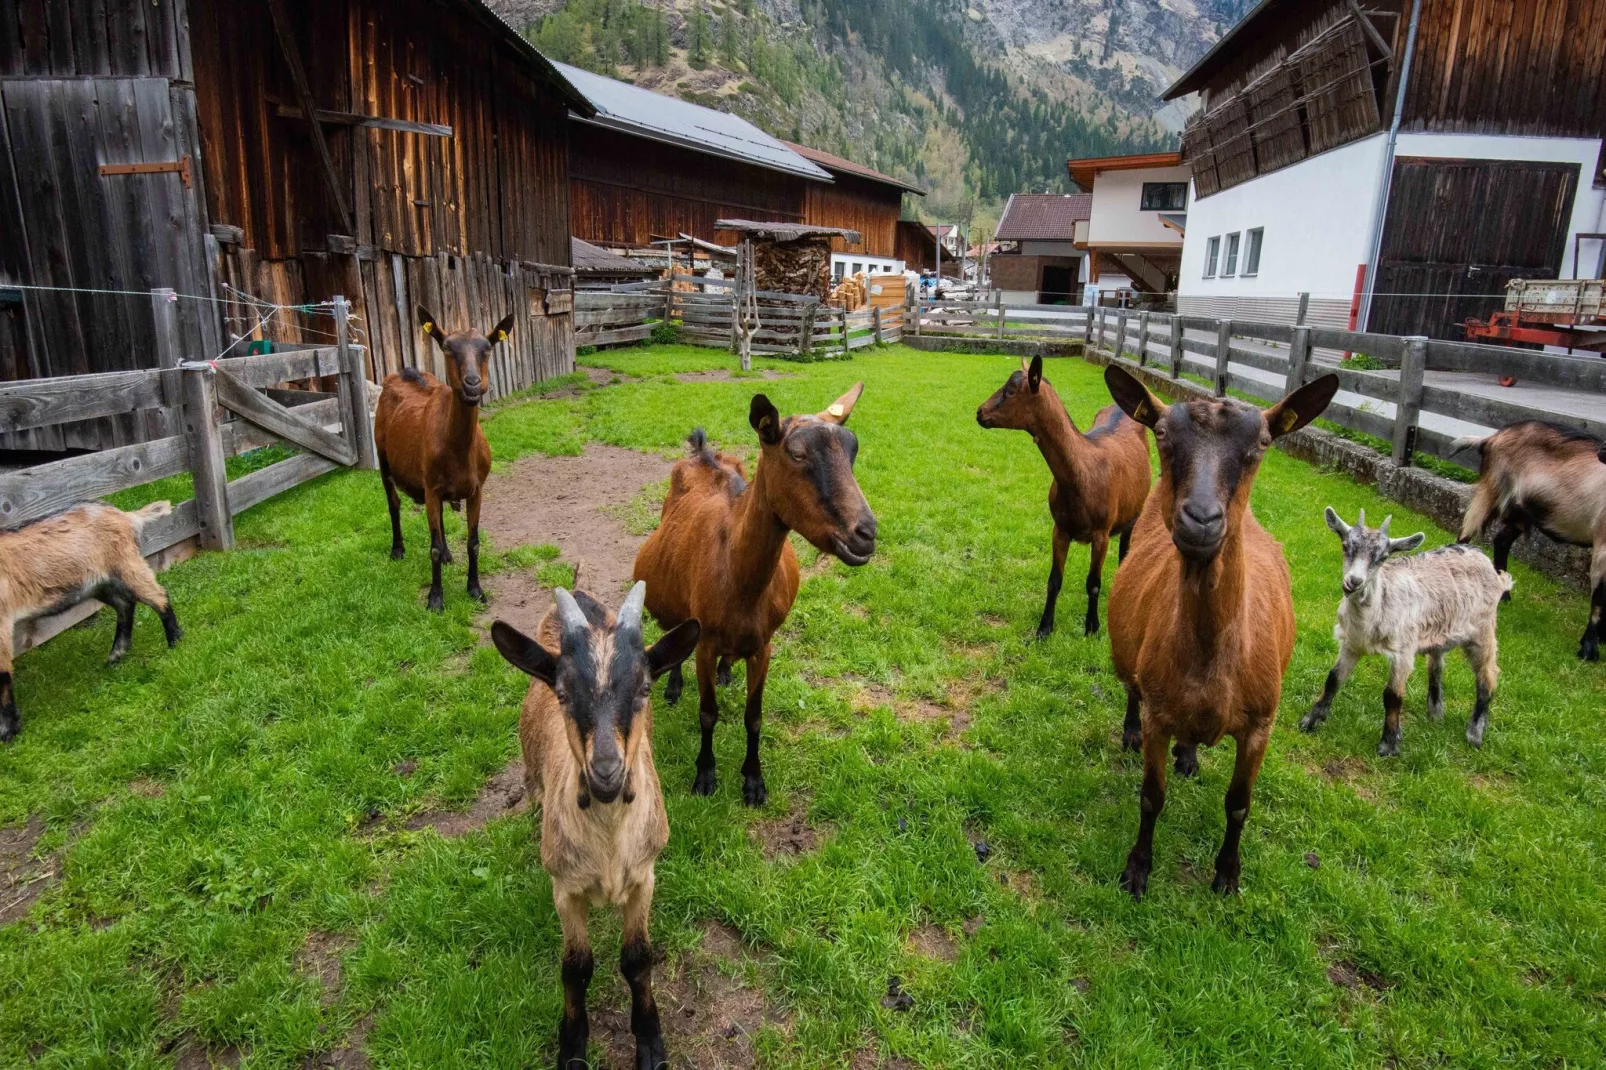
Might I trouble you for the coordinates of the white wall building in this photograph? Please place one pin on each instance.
(1133, 235)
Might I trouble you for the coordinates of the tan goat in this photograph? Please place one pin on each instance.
(90, 551)
(586, 733)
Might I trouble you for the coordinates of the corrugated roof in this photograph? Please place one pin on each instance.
(832, 162)
(1043, 216)
(786, 231)
(622, 106)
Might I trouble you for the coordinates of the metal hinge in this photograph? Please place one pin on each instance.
(180, 165)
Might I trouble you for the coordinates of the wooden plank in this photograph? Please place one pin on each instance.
(204, 443)
(268, 414)
(1491, 412)
(33, 403)
(264, 483)
(1385, 347)
(270, 369)
(1550, 369)
(239, 436)
(30, 493)
(623, 334)
(298, 76)
(1408, 406)
(371, 122)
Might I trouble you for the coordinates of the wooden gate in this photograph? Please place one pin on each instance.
(1458, 230)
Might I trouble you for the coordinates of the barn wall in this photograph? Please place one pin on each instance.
(852, 203)
(627, 190)
(914, 245)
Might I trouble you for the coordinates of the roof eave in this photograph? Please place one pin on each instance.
(624, 126)
(1194, 77)
(574, 99)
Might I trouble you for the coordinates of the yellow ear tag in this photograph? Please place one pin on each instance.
(428, 327)
(764, 421)
(499, 336)
(1142, 411)
(1290, 418)
(835, 410)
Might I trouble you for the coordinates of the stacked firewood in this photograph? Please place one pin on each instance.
(852, 293)
(800, 266)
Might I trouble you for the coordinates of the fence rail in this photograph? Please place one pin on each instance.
(1388, 403)
(211, 411)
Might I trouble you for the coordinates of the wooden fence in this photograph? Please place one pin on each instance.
(204, 412)
(788, 325)
(997, 319)
(1391, 400)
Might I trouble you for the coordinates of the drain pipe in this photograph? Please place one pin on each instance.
(1386, 180)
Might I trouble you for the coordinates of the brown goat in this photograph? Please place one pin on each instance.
(1101, 479)
(1201, 615)
(428, 437)
(1541, 476)
(586, 734)
(90, 551)
(720, 553)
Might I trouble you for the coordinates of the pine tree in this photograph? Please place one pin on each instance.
(697, 37)
(728, 40)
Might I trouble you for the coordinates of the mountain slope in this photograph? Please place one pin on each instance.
(973, 101)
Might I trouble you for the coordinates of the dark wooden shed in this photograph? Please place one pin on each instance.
(164, 143)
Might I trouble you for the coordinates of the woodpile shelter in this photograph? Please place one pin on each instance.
(860, 198)
(791, 257)
(398, 152)
(1398, 161)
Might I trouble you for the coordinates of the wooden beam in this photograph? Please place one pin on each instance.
(298, 75)
(1371, 31)
(372, 122)
(270, 415)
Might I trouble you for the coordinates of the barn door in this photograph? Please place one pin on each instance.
(108, 185)
(1458, 230)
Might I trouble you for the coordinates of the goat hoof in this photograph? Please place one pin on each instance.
(8, 727)
(436, 603)
(672, 692)
(1589, 651)
(753, 791)
(477, 594)
(651, 1054)
(1475, 735)
(1436, 713)
(1505, 596)
(1135, 881)
(1044, 631)
(1388, 749)
(722, 676)
(115, 656)
(446, 556)
(1311, 721)
(1225, 883)
(397, 553)
(704, 783)
(1091, 627)
(1132, 741)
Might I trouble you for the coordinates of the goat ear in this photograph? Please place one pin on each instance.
(1034, 374)
(765, 420)
(1301, 407)
(842, 407)
(426, 320)
(1336, 522)
(1133, 397)
(1410, 542)
(499, 333)
(524, 653)
(675, 647)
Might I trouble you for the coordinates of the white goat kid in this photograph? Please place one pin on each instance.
(1428, 604)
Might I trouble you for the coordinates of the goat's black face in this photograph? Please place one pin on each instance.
(602, 678)
(467, 353)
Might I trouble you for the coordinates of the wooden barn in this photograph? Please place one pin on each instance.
(1398, 162)
(858, 198)
(166, 143)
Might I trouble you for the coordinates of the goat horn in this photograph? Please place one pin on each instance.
(1360, 521)
(569, 614)
(1384, 529)
(630, 613)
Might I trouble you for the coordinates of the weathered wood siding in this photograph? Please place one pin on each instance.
(852, 203)
(627, 190)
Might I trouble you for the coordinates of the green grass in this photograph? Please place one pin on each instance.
(1464, 886)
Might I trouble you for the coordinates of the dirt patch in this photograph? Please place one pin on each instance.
(789, 836)
(319, 959)
(23, 878)
(150, 789)
(709, 1013)
(720, 375)
(869, 1058)
(562, 501)
(193, 1055)
(1350, 771)
(605, 376)
(515, 596)
(350, 1056)
(502, 795)
(1348, 975)
(932, 942)
(972, 925)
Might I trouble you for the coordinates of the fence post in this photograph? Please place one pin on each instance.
(1408, 409)
(1099, 344)
(875, 323)
(805, 339)
(1176, 345)
(1304, 307)
(1223, 351)
(842, 318)
(1087, 327)
(669, 294)
(915, 305)
(164, 311)
(998, 304)
(1298, 358)
(355, 414)
(205, 437)
(1120, 333)
(1143, 339)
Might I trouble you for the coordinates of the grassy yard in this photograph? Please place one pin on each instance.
(228, 821)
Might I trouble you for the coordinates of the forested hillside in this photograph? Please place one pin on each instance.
(930, 90)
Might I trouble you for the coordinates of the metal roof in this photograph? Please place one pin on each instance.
(786, 231)
(633, 110)
(832, 162)
(593, 260)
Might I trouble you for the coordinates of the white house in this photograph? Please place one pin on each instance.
(1399, 185)
(1134, 234)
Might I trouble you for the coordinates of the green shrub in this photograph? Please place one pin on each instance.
(666, 334)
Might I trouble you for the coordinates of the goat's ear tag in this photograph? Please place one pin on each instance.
(1289, 419)
(835, 410)
(428, 327)
(1141, 413)
(497, 336)
(765, 421)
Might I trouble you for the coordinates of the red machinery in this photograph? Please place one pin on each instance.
(1570, 313)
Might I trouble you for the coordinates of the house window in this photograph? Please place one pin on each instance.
(836, 271)
(1165, 196)
(1229, 263)
(857, 267)
(1212, 249)
(1252, 251)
